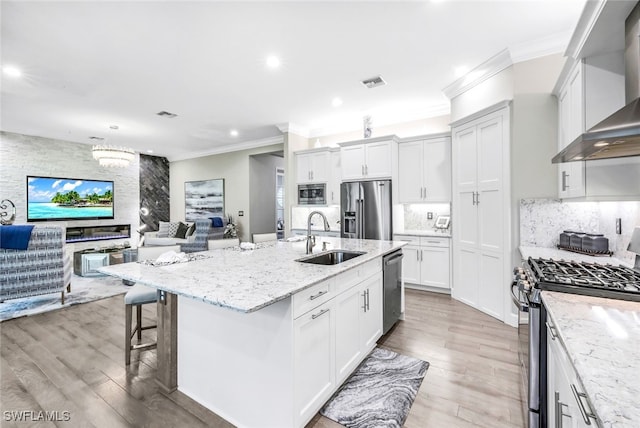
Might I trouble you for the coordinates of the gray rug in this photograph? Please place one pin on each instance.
(379, 393)
(83, 290)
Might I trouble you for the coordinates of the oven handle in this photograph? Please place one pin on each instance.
(522, 307)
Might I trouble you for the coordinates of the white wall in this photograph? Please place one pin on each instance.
(24, 155)
(233, 167)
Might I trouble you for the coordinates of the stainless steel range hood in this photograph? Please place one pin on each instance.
(619, 134)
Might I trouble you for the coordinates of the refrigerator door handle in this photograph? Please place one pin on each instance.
(362, 224)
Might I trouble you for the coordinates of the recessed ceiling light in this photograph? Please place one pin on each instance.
(273, 61)
(233, 132)
(336, 102)
(601, 144)
(12, 71)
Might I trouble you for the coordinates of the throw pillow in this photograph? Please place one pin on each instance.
(163, 229)
(181, 231)
(190, 230)
(173, 228)
(216, 222)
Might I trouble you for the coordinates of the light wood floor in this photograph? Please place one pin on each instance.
(73, 360)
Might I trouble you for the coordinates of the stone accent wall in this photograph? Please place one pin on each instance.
(23, 155)
(154, 191)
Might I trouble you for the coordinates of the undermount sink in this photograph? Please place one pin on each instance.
(332, 257)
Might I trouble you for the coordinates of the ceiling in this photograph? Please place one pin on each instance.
(89, 65)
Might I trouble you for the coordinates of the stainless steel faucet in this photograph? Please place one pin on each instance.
(311, 240)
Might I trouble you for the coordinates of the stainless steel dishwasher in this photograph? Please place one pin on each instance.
(392, 285)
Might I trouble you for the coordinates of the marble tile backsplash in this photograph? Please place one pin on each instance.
(300, 214)
(542, 221)
(416, 215)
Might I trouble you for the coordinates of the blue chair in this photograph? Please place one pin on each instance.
(141, 295)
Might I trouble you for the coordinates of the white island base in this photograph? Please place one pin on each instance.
(277, 366)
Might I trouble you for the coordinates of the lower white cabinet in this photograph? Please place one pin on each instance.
(426, 262)
(331, 339)
(314, 362)
(358, 324)
(567, 405)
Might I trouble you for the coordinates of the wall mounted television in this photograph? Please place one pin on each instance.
(57, 198)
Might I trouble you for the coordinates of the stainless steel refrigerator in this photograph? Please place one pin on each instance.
(366, 210)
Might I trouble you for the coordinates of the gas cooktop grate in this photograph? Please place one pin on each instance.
(617, 282)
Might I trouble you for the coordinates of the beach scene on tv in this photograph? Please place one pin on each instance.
(58, 198)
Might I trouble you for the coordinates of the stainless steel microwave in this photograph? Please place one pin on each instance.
(312, 194)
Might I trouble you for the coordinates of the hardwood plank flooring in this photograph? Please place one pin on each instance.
(73, 360)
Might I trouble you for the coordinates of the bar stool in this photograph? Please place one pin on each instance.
(264, 237)
(216, 244)
(137, 296)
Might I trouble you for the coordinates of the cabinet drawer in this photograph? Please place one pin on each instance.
(354, 276)
(411, 239)
(428, 241)
(311, 297)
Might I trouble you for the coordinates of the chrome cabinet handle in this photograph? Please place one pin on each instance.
(362, 168)
(560, 410)
(477, 198)
(368, 307)
(364, 301)
(583, 410)
(321, 293)
(473, 198)
(319, 314)
(565, 181)
(552, 330)
(366, 170)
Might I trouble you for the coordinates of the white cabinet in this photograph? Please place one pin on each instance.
(373, 159)
(335, 173)
(342, 322)
(481, 209)
(313, 166)
(314, 360)
(424, 170)
(567, 404)
(592, 90)
(426, 262)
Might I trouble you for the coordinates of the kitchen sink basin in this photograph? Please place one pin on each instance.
(332, 257)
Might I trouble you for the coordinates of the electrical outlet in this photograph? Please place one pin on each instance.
(619, 226)
(429, 216)
(240, 213)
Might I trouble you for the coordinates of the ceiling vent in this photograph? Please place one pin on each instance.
(373, 82)
(166, 114)
(96, 138)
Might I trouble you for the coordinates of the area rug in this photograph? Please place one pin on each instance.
(83, 290)
(379, 393)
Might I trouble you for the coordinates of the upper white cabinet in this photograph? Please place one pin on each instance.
(313, 166)
(481, 201)
(424, 170)
(333, 190)
(591, 91)
(368, 159)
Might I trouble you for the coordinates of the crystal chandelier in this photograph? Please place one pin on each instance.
(113, 156)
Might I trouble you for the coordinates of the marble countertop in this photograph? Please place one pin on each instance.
(427, 233)
(557, 254)
(249, 280)
(602, 340)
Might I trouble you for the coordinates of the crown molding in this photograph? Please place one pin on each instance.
(294, 129)
(235, 147)
(590, 15)
(479, 74)
(549, 45)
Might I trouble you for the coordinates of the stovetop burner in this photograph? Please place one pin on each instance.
(591, 279)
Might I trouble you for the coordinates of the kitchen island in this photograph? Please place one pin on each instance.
(259, 337)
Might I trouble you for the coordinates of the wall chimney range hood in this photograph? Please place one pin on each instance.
(618, 135)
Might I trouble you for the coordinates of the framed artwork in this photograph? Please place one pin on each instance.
(203, 199)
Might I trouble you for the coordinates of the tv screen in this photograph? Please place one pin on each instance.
(54, 198)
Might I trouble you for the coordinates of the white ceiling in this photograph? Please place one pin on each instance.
(89, 65)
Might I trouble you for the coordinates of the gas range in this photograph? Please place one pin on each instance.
(590, 279)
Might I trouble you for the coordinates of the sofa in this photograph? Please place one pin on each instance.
(203, 231)
(43, 267)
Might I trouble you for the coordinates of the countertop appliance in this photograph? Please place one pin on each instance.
(590, 279)
(392, 285)
(312, 194)
(366, 210)
(593, 244)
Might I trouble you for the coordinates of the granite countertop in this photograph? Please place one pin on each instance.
(557, 254)
(427, 233)
(249, 280)
(602, 340)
